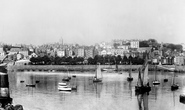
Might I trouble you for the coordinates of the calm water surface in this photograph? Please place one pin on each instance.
(115, 93)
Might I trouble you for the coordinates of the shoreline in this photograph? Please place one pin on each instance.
(85, 68)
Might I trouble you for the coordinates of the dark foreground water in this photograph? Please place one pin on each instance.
(115, 93)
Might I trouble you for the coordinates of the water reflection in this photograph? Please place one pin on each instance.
(114, 93)
(142, 101)
(130, 88)
(98, 89)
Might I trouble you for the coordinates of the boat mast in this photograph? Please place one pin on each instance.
(130, 70)
(96, 71)
(145, 75)
(173, 81)
(155, 72)
(140, 82)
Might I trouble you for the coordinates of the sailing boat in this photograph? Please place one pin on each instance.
(68, 78)
(143, 83)
(74, 86)
(130, 78)
(31, 84)
(174, 86)
(156, 82)
(98, 75)
(165, 79)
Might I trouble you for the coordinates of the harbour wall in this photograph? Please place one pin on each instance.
(85, 67)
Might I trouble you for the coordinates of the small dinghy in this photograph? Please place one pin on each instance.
(174, 86)
(182, 98)
(165, 80)
(30, 85)
(156, 82)
(64, 88)
(21, 81)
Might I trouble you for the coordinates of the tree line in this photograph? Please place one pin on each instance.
(104, 60)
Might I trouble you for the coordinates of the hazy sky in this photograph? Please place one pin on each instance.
(91, 21)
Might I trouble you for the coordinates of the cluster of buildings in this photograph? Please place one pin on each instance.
(113, 48)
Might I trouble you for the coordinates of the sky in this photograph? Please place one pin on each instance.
(91, 21)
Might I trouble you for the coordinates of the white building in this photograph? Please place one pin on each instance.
(103, 52)
(60, 53)
(81, 52)
(134, 44)
(124, 47)
(183, 46)
(179, 60)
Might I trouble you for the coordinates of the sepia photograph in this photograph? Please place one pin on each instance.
(92, 55)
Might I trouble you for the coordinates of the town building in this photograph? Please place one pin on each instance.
(81, 52)
(19, 50)
(89, 52)
(60, 53)
(179, 60)
(134, 44)
(183, 46)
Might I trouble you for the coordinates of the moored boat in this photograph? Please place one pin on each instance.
(30, 85)
(174, 86)
(156, 82)
(165, 80)
(62, 84)
(182, 98)
(143, 83)
(130, 78)
(98, 75)
(64, 88)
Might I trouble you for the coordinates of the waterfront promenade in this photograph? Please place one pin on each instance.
(84, 67)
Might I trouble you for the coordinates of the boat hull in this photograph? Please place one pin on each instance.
(97, 80)
(106, 69)
(64, 88)
(165, 80)
(30, 85)
(156, 82)
(66, 79)
(174, 87)
(182, 99)
(142, 89)
(129, 79)
(62, 84)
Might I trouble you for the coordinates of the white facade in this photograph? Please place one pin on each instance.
(103, 52)
(61, 53)
(124, 47)
(183, 46)
(179, 60)
(81, 52)
(105, 45)
(134, 44)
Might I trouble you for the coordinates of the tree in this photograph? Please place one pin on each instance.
(125, 59)
(98, 59)
(118, 59)
(6, 48)
(90, 60)
(143, 44)
(130, 58)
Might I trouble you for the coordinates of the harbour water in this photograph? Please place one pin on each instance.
(114, 93)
